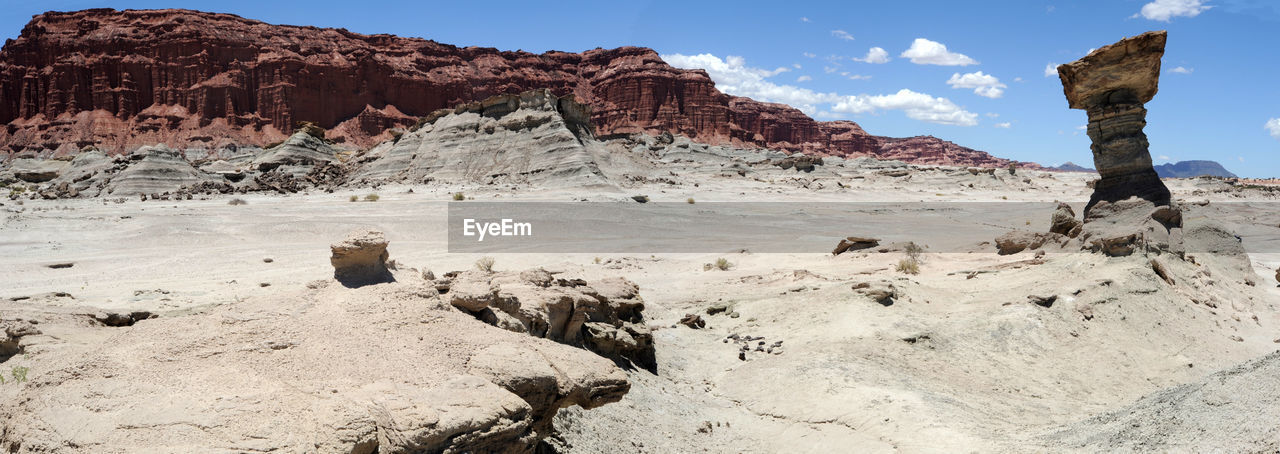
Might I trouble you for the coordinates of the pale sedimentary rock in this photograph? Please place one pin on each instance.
(361, 259)
(1112, 84)
(605, 316)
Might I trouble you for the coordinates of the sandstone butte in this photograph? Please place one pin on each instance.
(118, 80)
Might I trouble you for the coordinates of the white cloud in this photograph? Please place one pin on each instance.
(992, 115)
(1163, 158)
(1005, 125)
(1051, 70)
(875, 55)
(734, 77)
(1241, 158)
(829, 69)
(804, 19)
(985, 85)
(1182, 70)
(925, 52)
(842, 35)
(1017, 79)
(803, 79)
(857, 77)
(918, 106)
(1273, 126)
(795, 65)
(809, 55)
(1163, 10)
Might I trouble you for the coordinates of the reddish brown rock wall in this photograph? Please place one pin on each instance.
(121, 79)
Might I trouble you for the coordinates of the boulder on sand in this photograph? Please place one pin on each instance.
(854, 243)
(1064, 221)
(361, 259)
(1021, 240)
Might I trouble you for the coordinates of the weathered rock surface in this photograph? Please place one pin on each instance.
(1233, 410)
(1020, 240)
(387, 368)
(801, 163)
(14, 330)
(1112, 83)
(1064, 221)
(361, 259)
(34, 170)
(155, 170)
(854, 243)
(118, 80)
(300, 153)
(534, 136)
(604, 316)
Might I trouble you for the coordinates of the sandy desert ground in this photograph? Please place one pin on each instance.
(959, 361)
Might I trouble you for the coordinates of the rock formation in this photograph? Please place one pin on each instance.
(361, 259)
(1017, 241)
(1064, 221)
(605, 316)
(154, 170)
(13, 331)
(1112, 84)
(854, 243)
(118, 80)
(518, 138)
(386, 368)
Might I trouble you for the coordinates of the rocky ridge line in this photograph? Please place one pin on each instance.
(119, 80)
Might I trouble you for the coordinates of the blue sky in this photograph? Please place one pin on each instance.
(988, 90)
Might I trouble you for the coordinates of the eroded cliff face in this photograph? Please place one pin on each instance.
(118, 80)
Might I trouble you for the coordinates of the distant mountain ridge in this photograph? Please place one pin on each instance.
(1190, 169)
(1072, 167)
(1180, 169)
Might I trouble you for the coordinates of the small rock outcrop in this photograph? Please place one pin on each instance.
(1021, 240)
(882, 292)
(1064, 221)
(854, 243)
(799, 162)
(300, 153)
(1112, 84)
(13, 331)
(153, 170)
(604, 316)
(361, 259)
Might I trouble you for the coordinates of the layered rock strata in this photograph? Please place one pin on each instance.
(533, 136)
(118, 80)
(605, 316)
(361, 259)
(1112, 84)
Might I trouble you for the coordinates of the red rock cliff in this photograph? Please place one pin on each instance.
(120, 79)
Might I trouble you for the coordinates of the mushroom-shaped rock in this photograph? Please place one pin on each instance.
(361, 259)
(1112, 84)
